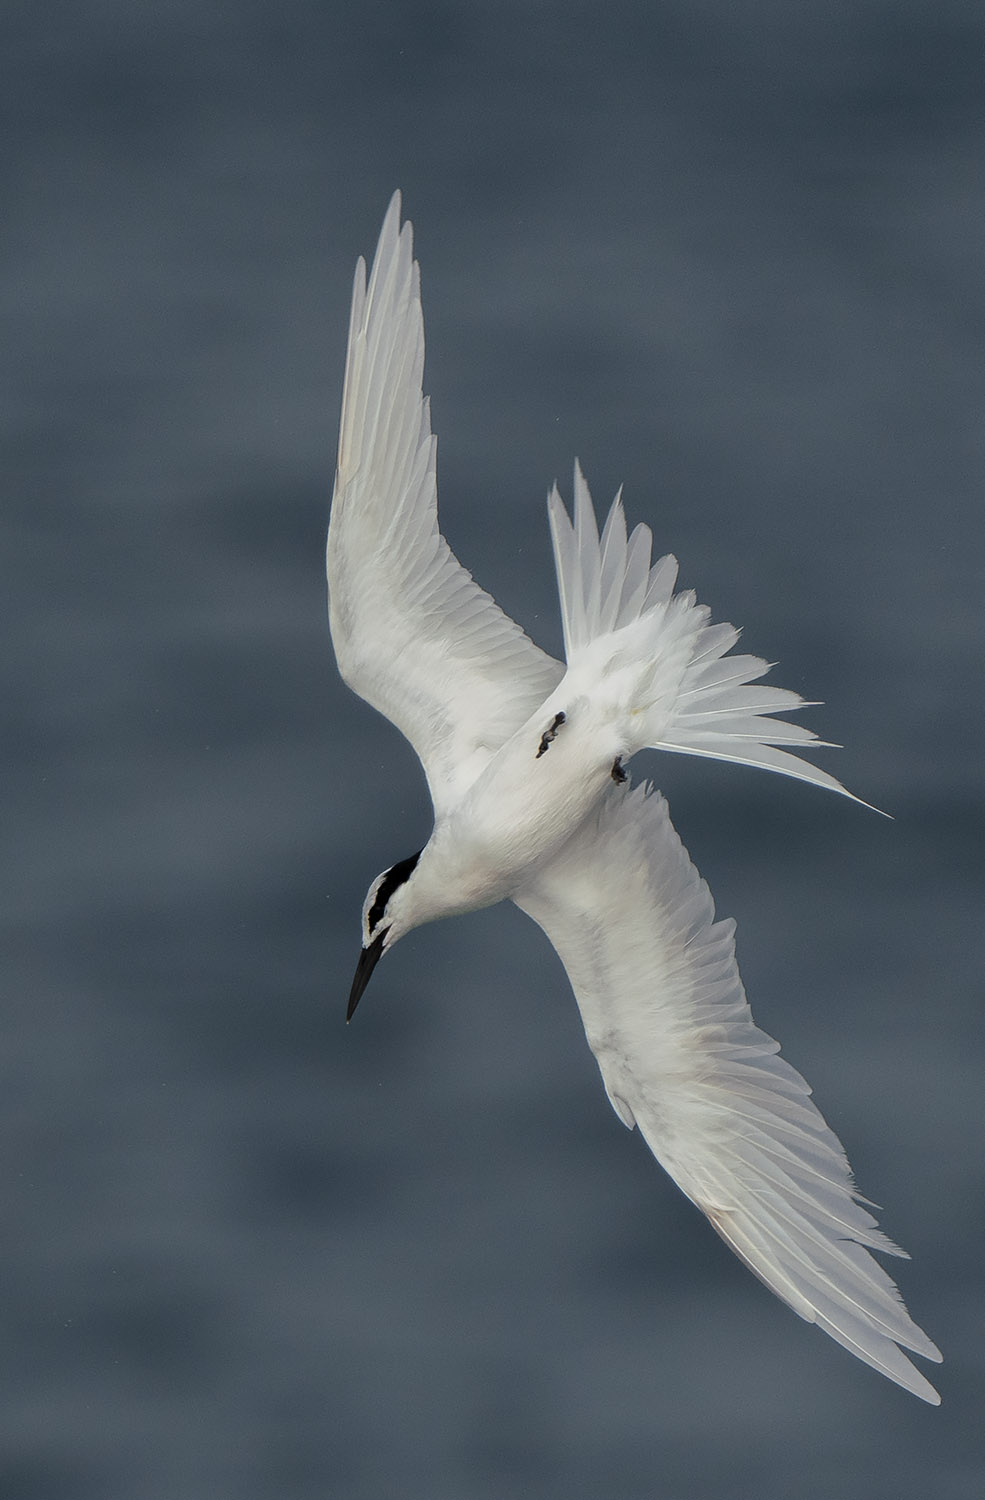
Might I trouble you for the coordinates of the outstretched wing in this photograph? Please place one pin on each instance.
(413, 634)
(666, 1016)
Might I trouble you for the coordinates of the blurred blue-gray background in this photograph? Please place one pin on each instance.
(730, 255)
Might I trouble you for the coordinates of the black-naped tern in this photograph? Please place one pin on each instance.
(525, 760)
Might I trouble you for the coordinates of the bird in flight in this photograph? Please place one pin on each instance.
(526, 761)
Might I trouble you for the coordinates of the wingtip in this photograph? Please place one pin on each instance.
(861, 800)
(391, 219)
(393, 235)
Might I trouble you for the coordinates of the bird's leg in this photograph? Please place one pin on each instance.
(550, 734)
(617, 773)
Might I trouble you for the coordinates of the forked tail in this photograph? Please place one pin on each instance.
(700, 700)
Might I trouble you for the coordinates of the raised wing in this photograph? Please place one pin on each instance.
(666, 1016)
(413, 634)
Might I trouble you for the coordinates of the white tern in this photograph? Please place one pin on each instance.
(526, 761)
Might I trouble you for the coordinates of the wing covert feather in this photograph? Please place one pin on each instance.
(666, 1015)
(413, 633)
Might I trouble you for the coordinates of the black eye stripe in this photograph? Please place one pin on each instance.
(395, 876)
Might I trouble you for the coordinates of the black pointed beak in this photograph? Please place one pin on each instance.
(368, 959)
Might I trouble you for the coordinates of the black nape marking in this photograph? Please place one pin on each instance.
(396, 875)
(617, 773)
(550, 734)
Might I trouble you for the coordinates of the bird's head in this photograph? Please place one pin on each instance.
(385, 919)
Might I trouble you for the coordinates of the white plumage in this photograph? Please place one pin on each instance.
(524, 760)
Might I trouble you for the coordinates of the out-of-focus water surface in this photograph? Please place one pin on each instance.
(731, 256)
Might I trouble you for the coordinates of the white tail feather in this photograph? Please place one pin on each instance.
(698, 700)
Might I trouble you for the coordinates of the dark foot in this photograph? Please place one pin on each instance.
(549, 735)
(617, 773)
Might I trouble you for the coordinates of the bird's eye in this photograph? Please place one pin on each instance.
(394, 877)
(378, 907)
